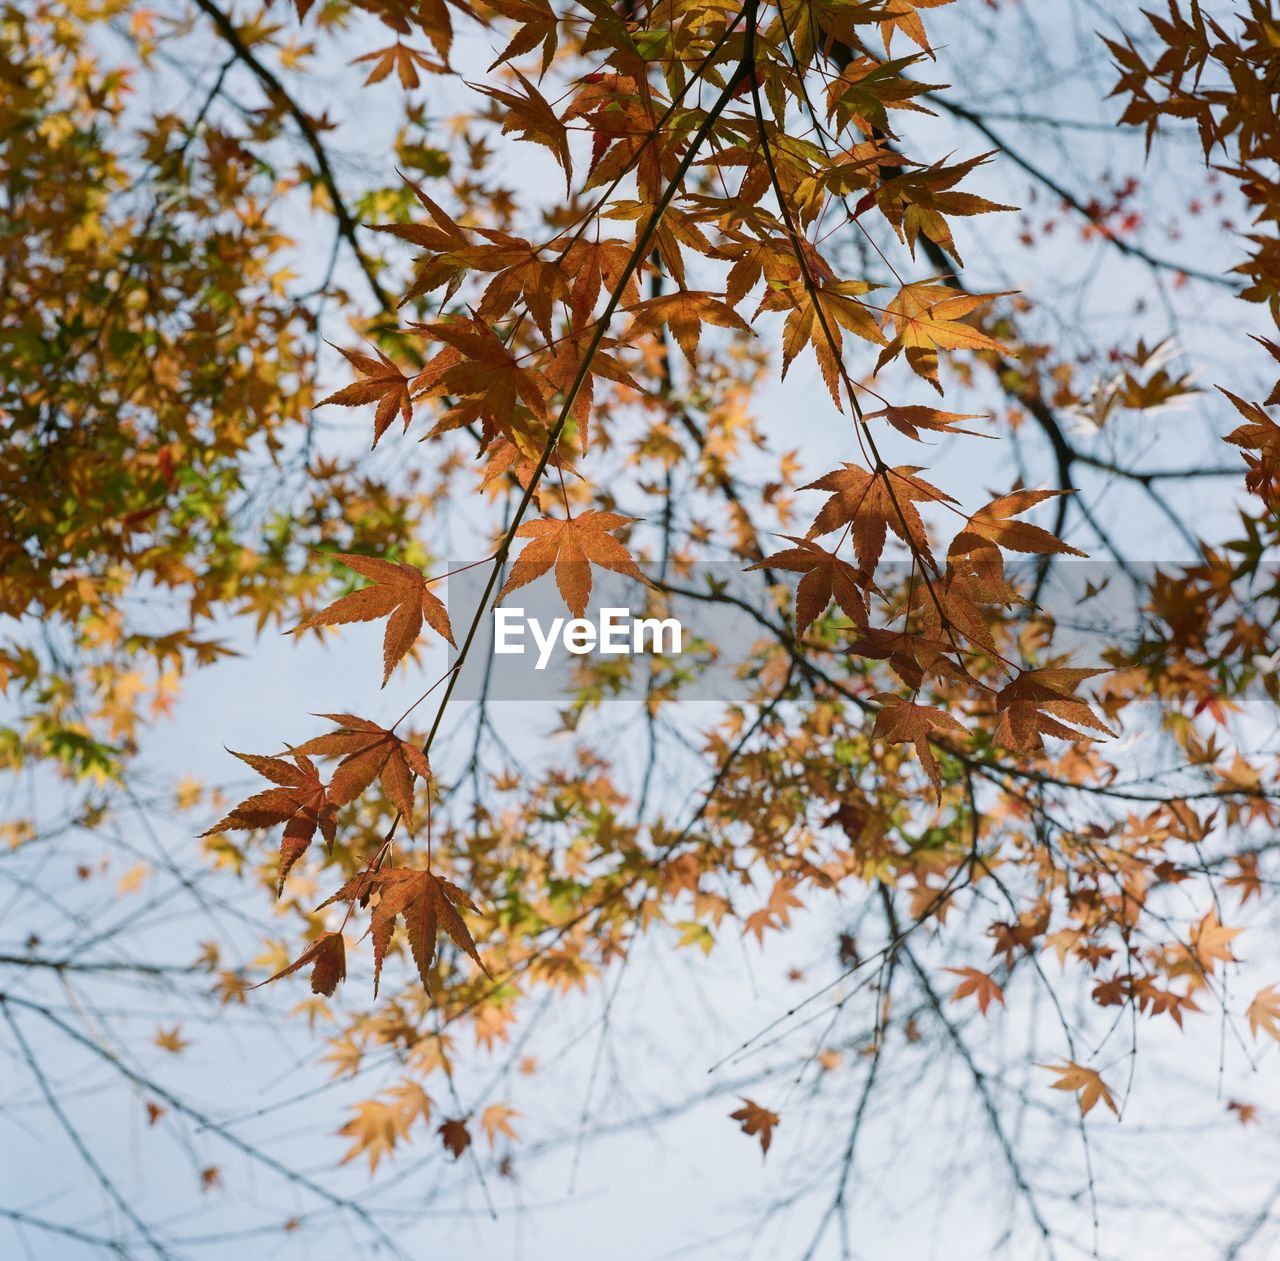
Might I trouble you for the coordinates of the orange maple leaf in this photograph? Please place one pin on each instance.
(927, 318)
(299, 801)
(757, 1120)
(572, 546)
(980, 985)
(369, 751)
(495, 1120)
(910, 420)
(397, 592)
(489, 381)
(1264, 1013)
(428, 905)
(826, 577)
(383, 384)
(405, 61)
(872, 503)
(685, 313)
(1087, 1081)
(375, 1129)
(1211, 942)
(993, 524)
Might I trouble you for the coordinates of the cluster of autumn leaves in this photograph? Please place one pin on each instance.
(525, 365)
(528, 361)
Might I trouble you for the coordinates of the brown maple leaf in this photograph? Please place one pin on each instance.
(300, 801)
(383, 383)
(901, 722)
(871, 503)
(397, 592)
(911, 657)
(1032, 704)
(455, 1136)
(757, 1120)
(826, 577)
(479, 370)
(572, 546)
(327, 956)
(1261, 434)
(368, 752)
(428, 905)
(910, 420)
(532, 117)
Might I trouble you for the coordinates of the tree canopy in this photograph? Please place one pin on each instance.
(329, 329)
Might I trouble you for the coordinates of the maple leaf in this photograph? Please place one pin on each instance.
(428, 905)
(1264, 1013)
(910, 420)
(522, 272)
(980, 985)
(572, 545)
(405, 61)
(818, 317)
(398, 592)
(1032, 704)
(993, 524)
(327, 956)
(495, 1120)
(826, 577)
(902, 722)
(383, 384)
(443, 240)
(910, 657)
(300, 801)
(901, 15)
(757, 1120)
(596, 266)
(536, 23)
(927, 318)
(752, 259)
(1087, 1081)
(375, 1129)
(477, 366)
(1211, 942)
(872, 503)
(916, 202)
(684, 313)
(171, 1040)
(532, 118)
(1261, 434)
(369, 751)
(455, 1136)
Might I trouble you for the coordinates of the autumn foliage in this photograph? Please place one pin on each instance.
(555, 338)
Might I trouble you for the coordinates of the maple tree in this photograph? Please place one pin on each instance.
(560, 324)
